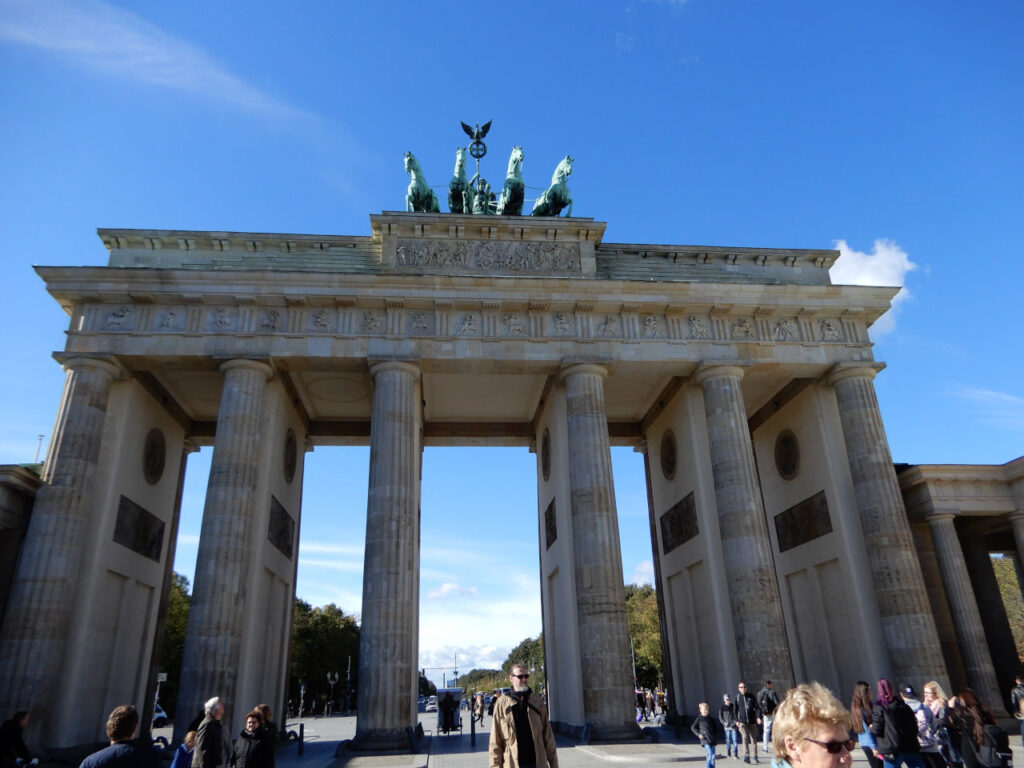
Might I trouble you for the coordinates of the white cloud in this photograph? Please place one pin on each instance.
(644, 573)
(448, 589)
(347, 566)
(104, 38)
(887, 265)
(324, 548)
(993, 407)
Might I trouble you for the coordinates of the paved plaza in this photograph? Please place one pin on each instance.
(323, 735)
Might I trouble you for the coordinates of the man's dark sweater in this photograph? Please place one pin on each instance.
(524, 736)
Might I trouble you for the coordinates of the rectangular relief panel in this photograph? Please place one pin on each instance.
(281, 528)
(139, 530)
(803, 522)
(550, 525)
(679, 524)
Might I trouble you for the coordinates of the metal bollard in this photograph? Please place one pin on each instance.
(302, 737)
(472, 728)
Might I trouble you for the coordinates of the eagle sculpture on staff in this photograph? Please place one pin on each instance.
(478, 133)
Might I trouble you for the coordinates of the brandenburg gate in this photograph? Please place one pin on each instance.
(782, 545)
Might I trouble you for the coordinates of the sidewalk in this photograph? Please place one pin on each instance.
(323, 735)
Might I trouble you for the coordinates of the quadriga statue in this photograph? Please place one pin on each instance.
(460, 193)
(511, 201)
(556, 197)
(420, 198)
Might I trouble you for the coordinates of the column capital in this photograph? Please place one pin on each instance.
(842, 371)
(576, 369)
(244, 362)
(938, 516)
(107, 365)
(710, 369)
(405, 366)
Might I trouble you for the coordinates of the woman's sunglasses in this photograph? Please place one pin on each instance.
(835, 747)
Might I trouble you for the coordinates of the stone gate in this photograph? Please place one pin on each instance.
(781, 543)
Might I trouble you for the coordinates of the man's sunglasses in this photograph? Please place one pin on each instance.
(522, 677)
(834, 747)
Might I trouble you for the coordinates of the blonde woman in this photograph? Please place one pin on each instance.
(812, 730)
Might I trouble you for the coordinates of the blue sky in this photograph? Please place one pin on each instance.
(891, 131)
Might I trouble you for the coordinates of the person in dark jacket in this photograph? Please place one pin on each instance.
(271, 735)
(966, 718)
(209, 751)
(895, 729)
(12, 743)
(705, 728)
(727, 717)
(123, 752)
(748, 717)
(251, 749)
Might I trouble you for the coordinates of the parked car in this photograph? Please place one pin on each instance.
(431, 704)
(159, 717)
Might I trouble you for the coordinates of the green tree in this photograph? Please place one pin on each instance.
(642, 617)
(427, 688)
(323, 641)
(1010, 590)
(529, 652)
(172, 644)
(482, 680)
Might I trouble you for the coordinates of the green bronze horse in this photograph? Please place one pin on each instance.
(420, 198)
(460, 193)
(511, 201)
(556, 197)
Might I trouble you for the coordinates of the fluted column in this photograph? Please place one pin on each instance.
(1017, 523)
(970, 632)
(758, 621)
(389, 632)
(907, 620)
(37, 624)
(597, 560)
(215, 621)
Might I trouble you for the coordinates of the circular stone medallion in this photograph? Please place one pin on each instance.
(154, 456)
(787, 455)
(545, 455)
(668, 454)
(291, 456)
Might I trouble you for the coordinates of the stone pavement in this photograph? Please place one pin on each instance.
(456, 751)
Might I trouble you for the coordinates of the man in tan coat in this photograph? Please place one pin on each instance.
(521, 734)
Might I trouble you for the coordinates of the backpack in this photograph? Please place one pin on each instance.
(925, 727)
(994, 751)
(767, 703)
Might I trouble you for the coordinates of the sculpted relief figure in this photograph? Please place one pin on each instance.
(556, 197)
(420, 198)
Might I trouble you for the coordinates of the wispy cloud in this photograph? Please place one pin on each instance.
(104, 38)
(644, 573)
(325, 548)
(993, 407)
(887, 264)
(448, 589)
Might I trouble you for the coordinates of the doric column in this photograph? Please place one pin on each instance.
(597, 560)
(907, 620)
(215, 621)
(1017, 523)
(389, 633)
(36, 626)
(970, 632)
(758, 620)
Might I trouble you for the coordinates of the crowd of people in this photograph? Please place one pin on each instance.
(808, 728)
(893, 727)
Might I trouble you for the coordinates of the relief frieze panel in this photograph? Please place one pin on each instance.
(502, 256)
(494, 321)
